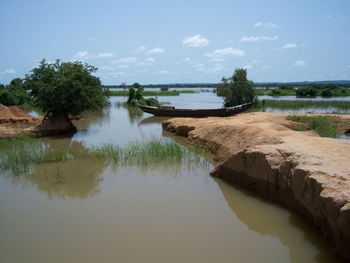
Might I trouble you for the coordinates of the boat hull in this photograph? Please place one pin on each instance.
(223, 112)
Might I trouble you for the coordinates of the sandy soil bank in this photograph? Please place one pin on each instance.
(15, 122)
(299, 169)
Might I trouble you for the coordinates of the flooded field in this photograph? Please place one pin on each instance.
(89, 210)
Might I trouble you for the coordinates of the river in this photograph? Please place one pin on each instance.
(168, 213)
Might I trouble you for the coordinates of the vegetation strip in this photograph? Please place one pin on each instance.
(297, 104)
(151, 93)
(325, 126)
(25, 153)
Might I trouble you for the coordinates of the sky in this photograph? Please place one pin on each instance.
(179, 41)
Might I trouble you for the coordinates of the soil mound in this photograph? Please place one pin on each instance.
(7, 112)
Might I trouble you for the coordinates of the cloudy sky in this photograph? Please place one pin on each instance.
(179, 41)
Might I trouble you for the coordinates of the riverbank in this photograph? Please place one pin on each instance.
(15, 122)
(308, 173)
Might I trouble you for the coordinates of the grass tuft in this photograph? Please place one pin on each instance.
(325, 126)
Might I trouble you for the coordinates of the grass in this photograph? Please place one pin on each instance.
(298, 104)
(340, 92)
(325, 126)
(20, 158)
(151, 93)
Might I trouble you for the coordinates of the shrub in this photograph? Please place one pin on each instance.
(306, 92)
(326, 93)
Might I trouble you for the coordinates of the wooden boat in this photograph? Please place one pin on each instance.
(172, 112)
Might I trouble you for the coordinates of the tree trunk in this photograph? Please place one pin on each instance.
(55, 125)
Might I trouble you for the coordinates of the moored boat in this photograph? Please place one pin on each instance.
(173, 112)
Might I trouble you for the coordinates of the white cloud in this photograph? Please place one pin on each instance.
(143, 70)
(8, 71)
(141, 48)
(91, 39)
(143, 64)
(256, 61)
(82, 55)
(348, 66)
(265, 67)
(123, 66)
(103, 55)
(155, 50)
(266, 25)
(150, 59)
(126, 60)
(107, 68)
(195, 41)
(229, 51)
(289, 45)
(247, 66)
(187, 60)
(116, 74)
(217, 68)
(163, 72)
(198, 66)
(299, 63)
(258, 39)
(217, 60)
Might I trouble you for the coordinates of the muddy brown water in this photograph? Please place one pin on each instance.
(88, 211)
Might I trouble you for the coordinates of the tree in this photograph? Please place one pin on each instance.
(163, 89)
(137, 86)
(236, 89)
(64, 89)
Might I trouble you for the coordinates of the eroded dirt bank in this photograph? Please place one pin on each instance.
(305, 172)
(15, 122)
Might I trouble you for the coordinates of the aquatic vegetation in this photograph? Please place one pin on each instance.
(305, 104)
(151, 93)
(144, 153)
(21, 157)
(325, 126)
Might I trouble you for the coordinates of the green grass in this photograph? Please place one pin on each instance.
(151, 93)
(144, 153)
(20, 158)
(340, 92)
(299, 104)
(325, 126)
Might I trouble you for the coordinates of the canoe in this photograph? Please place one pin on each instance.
(172, 112)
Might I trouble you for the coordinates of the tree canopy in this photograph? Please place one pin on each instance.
(65, 88)
(236, 89)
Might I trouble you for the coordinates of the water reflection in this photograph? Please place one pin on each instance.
(266, 218)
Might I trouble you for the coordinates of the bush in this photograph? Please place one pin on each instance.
(164, 89)
(306, 92)
(6, 98)
(326, 93)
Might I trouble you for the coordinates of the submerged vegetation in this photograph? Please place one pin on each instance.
(24, 153)
(325, 126)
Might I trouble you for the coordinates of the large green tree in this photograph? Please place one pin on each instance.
(236, 89)
(62, 90)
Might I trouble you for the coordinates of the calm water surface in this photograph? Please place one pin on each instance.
(95, 212)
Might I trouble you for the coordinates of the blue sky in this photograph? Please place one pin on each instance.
(179, 41)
